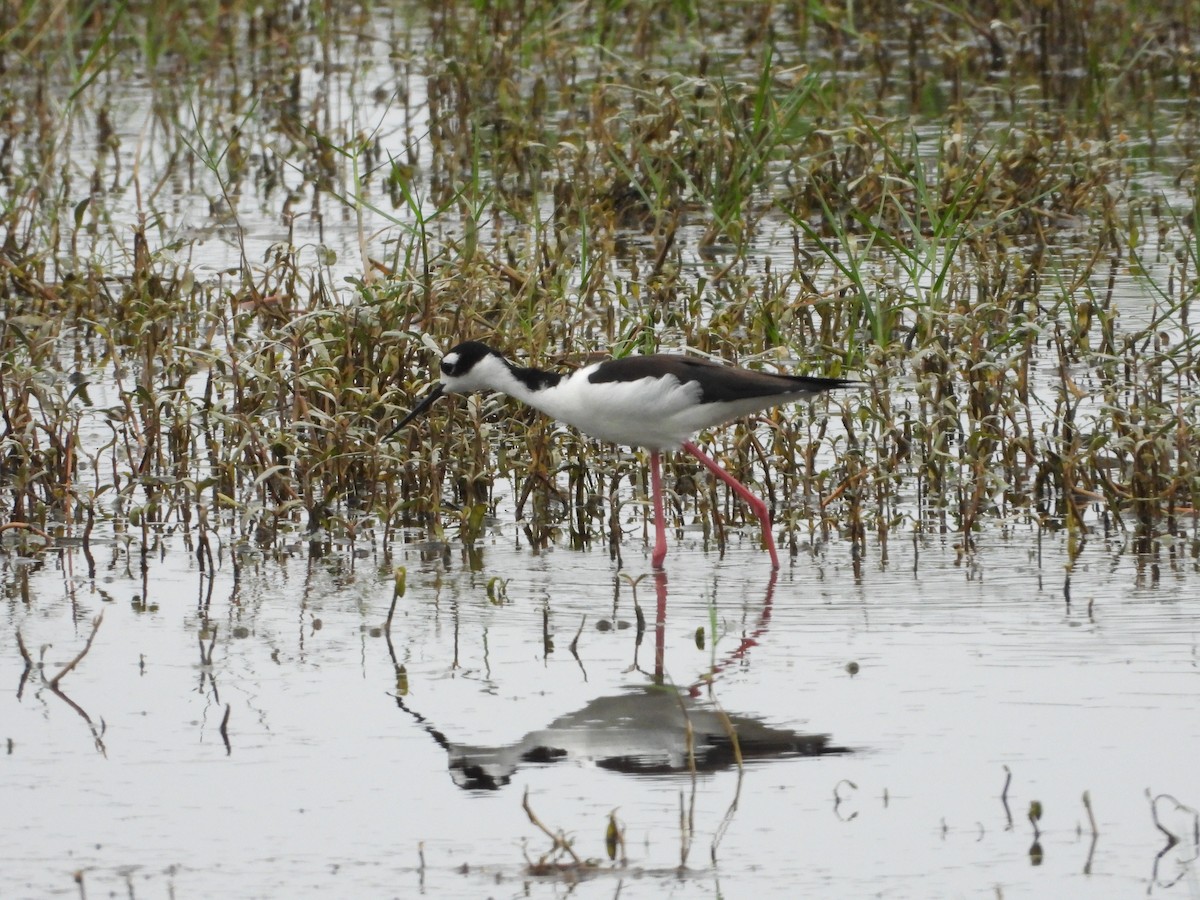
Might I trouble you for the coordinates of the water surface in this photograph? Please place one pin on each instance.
(338, 780)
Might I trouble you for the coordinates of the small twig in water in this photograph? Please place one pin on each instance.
(731, 733)
(1087, 804)
(559, 840)
(575, 640)
(838, 799)
(1004, 798)
(1172, 838)
(575, 647)
(401, 576)
(1035, 815)
(24, 651)
(206, 655)
(82, 653)
(28, 664)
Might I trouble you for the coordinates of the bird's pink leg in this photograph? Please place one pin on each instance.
(660, 626)
(660, 522)
(760, 508)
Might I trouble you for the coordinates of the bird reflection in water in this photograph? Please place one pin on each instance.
(642, 730)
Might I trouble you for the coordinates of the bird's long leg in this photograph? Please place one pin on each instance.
(660, 522)
(760, 508)
(660, 627)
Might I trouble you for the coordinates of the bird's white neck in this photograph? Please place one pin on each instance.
(494, 373)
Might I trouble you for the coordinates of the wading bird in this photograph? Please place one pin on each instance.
(658, 402)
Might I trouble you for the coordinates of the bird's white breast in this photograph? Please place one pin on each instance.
(658, 413)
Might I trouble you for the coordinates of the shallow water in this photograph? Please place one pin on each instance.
(333, 785)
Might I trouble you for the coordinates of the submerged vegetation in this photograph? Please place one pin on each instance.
(234, 233)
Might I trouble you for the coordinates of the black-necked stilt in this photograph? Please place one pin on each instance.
(658, 402)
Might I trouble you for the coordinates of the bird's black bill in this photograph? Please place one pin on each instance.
(426, 402)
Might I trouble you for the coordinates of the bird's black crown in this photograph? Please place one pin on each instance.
(461, 359)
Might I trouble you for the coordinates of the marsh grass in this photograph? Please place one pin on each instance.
(958, 214)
